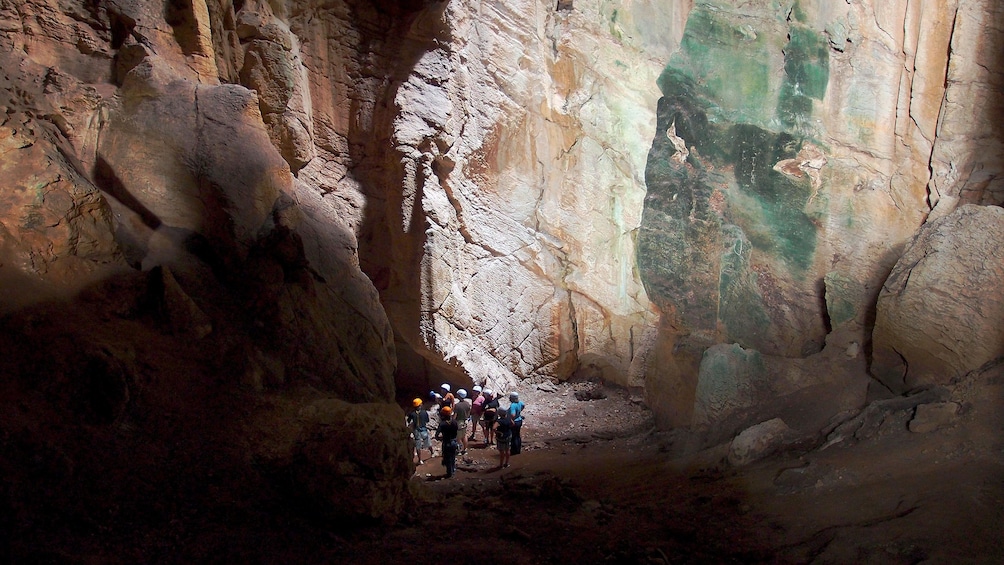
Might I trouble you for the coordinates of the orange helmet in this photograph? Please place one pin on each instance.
(446, 411)
(416, 403)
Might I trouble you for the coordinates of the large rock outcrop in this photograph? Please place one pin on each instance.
(940, 311)
(792, 162)
(170, 308)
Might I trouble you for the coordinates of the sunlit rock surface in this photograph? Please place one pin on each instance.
(520, 141)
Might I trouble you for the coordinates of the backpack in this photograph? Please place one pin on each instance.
(504, 428)
(491, 410)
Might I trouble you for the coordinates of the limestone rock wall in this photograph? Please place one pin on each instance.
(791, 157)
(790, 151)
(522, 138)
(128, 148)
(799, 147)
(175, 298)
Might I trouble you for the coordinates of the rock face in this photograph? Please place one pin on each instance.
(173, 295)
(348, 484)
(217, 215)
(521, 138)
(791, 163)
(940, 311)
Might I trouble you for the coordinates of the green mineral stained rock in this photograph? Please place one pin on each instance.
(806, 70)
(718, 217)
(843, 294)
(730, 380)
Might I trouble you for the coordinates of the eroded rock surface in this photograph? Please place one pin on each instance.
(940, 311)
(218, 215)
(521, 138)
(164, 290)
(792, 163)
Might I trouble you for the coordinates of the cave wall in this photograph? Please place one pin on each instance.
(185, 321)
(615, 189)
(800, 147)
(128, 106)
(521, 139)
(277, 207)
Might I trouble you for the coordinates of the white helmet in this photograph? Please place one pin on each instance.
(445, 387)
(477, 388)
(462, 393)
(513, 397)
(489, 392)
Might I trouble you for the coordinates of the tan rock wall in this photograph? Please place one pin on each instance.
(488, 159)
(164, 272)
(484, 163)
(887, 148)
(522, 148)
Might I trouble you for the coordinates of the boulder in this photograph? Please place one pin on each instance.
(353, 460)
(731, 381)
(190, 168)
(940, 311)
(758, 441)
(930, 417)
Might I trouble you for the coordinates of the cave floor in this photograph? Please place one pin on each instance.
(595, 484)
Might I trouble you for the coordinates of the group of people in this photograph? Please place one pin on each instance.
(457, 415)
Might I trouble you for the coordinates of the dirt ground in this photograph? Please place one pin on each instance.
(597, 484)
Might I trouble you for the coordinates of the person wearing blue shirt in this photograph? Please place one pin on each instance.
(516, 414)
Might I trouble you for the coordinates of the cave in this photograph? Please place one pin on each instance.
(740, 260)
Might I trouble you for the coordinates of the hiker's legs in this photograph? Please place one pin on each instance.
(475, 425)
(450, 459)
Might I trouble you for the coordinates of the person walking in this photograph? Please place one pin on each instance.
(515, 412)
(418, 421)
(477, 409)
(447, 434)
